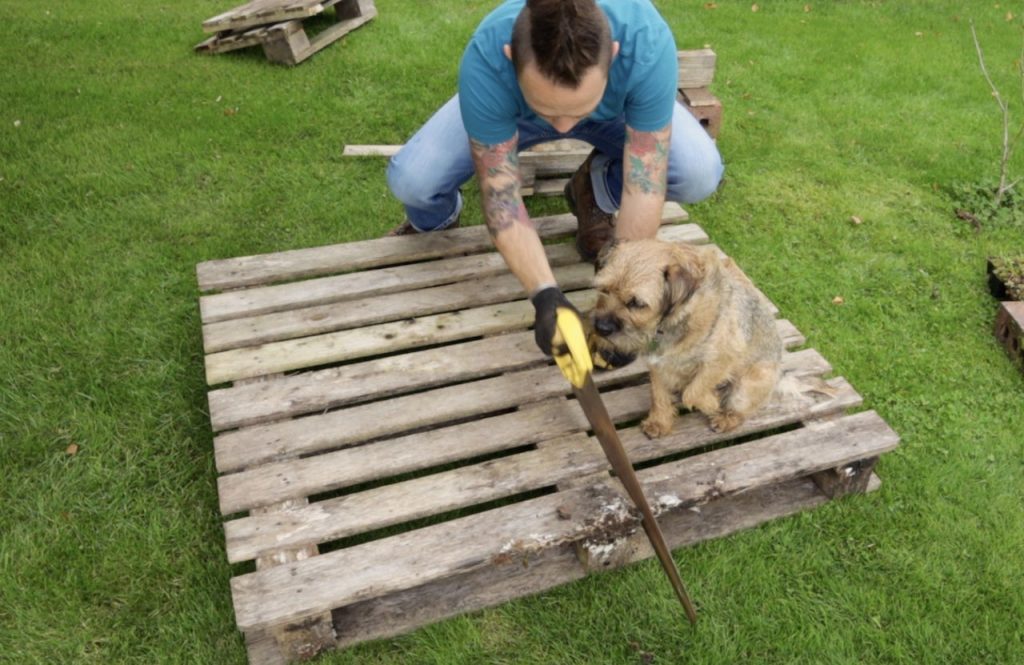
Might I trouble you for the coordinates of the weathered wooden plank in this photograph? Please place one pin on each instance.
(403, 611)
(547, 419)
(696, 68)
(277, 326)
(535, 161)
(342, 345)
(291, 52)
(549, 187)
(259, 300)
(513, 533)
(572, 456)
(335, 429)
(276, 313)
(309, 392)
(255, 445)
(378, 339)
(225, 42)
(314, 634)
(261, 269)
(345, 427)
(699, 97)
(261, 12)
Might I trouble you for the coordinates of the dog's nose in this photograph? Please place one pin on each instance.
(607, 325)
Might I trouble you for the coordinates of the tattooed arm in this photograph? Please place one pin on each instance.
(645, 173)
(497, 169)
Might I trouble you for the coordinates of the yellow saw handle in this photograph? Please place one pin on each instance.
(569, 347)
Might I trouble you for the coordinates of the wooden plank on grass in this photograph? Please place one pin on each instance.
(294, 264)
(544, 420)
(568, 457)
(262, 12)
(513, 533)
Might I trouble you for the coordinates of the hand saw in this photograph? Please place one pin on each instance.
(577, 366)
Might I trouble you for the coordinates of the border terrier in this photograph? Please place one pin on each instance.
(700, 324)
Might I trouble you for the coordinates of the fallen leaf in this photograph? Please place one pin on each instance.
(807, 9)
(230, 111)
(17, 123)
(646, 657)
(1009, 16)
(754, 7)
(856, 220)
(710, 5)
(918, 34)
(838, 300)
(71, 450)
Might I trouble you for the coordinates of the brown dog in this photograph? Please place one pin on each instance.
(699, 323)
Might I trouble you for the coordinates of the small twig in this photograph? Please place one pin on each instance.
(1007, 150)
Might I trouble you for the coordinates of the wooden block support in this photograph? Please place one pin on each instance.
(704, 106)
(378, 384)
(696, 68)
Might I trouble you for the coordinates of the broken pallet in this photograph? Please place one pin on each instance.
(384, 400)
(278, 26)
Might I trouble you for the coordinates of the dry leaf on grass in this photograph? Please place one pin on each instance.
(71, 450)
(838, 300)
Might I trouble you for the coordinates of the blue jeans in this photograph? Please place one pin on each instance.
(427, 172)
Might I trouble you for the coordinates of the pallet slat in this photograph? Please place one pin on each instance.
(563, 459)
(402, 611)
(344, 427)
(515, 532)
(294, 264)
(547, 419)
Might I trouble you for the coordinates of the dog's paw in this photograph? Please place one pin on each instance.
(725, 422)
(656, 428)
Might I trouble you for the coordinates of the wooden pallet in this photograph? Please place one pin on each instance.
(277, 25)
(394, 450)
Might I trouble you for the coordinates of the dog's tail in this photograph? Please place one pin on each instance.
(794, 388)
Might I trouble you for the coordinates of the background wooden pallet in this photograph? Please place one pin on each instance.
(277, 25)
(394, 450)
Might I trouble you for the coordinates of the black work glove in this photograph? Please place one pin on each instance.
(546, 302)
(558, 331)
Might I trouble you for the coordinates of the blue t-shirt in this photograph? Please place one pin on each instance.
(641, 81)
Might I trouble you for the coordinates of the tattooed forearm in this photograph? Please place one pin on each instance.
(497, 169)
(647, 161)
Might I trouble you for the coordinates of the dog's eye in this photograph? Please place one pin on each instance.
(635, 304)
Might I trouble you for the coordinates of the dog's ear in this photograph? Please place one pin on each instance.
(604, 253)
(683, 276)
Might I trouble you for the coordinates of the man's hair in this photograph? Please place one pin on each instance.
(564, 38)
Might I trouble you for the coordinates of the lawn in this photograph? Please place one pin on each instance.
(125, 160)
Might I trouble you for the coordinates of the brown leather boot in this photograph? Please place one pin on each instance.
(407, 229)
(595, 226)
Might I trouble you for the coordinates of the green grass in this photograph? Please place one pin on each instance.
(124, 171)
